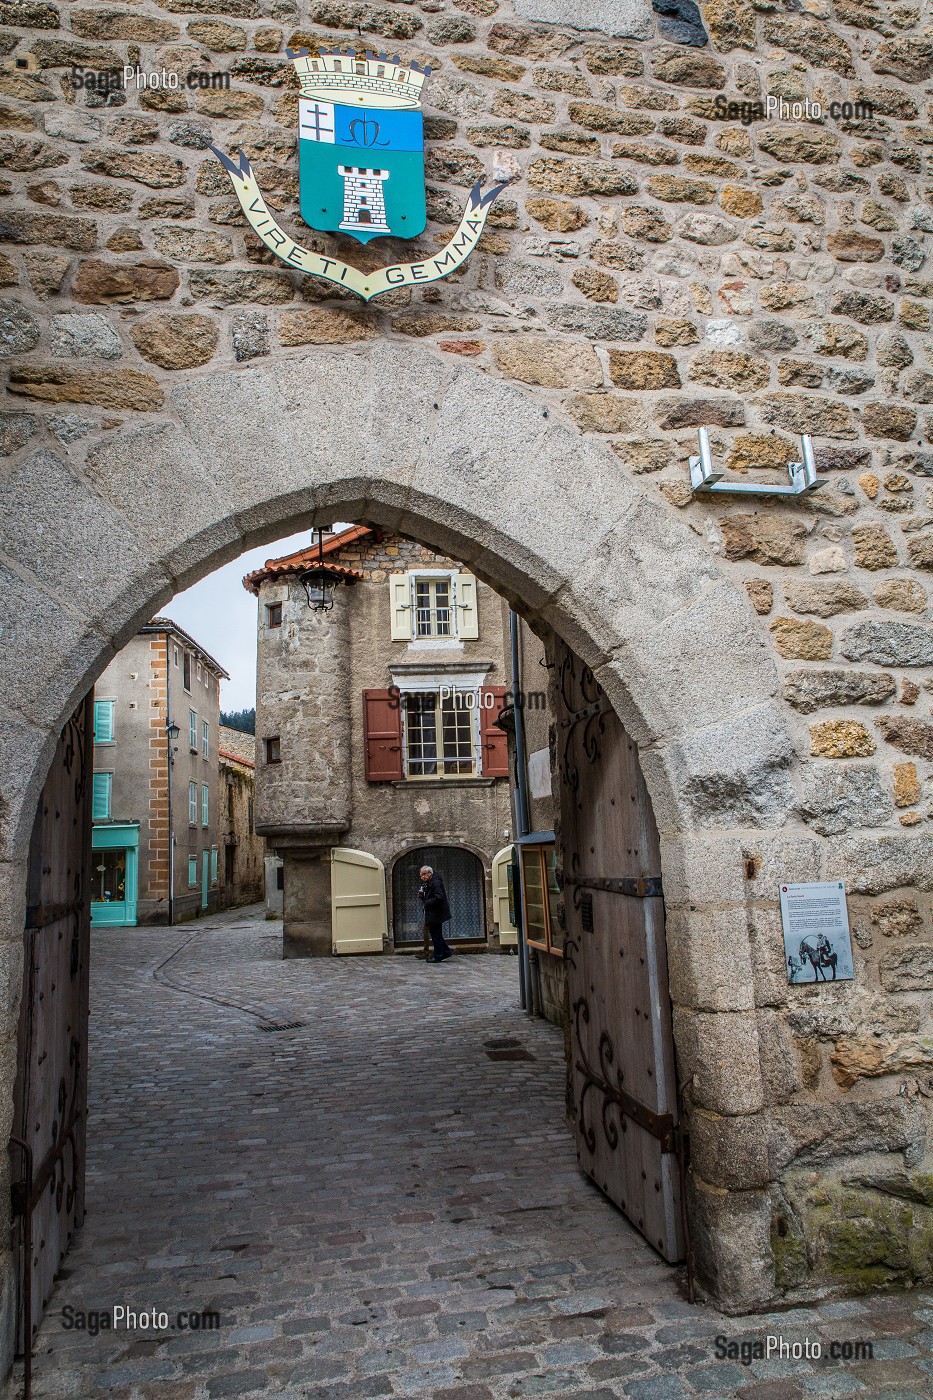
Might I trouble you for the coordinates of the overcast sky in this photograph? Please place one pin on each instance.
(221, 615)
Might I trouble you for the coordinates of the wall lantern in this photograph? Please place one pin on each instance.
(319, 580)
(172, 730)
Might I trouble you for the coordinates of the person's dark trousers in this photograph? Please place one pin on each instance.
(441, 949)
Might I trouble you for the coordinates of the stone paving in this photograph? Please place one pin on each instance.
(373, 1205)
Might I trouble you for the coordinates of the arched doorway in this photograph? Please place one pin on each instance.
(465, 882)
(245, 455)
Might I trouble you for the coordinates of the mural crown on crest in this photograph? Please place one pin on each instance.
(374, 80)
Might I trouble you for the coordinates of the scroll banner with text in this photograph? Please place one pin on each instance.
(365, 284)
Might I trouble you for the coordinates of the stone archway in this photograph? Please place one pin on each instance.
(481, 470)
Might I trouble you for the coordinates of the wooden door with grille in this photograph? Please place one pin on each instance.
(622, 1048)
(47, 1146)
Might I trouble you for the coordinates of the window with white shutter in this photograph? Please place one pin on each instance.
(465, 609)
(400, 610)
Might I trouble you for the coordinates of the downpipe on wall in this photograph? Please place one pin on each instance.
(528, 970)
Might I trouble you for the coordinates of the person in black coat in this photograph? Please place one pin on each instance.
(433, 897)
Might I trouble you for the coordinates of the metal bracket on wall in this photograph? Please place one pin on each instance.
(704, 477)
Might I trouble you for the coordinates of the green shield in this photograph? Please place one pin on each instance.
(361, 170)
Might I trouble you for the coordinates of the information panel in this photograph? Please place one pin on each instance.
(817, 946)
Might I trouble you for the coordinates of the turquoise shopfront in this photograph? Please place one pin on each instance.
(114, 873)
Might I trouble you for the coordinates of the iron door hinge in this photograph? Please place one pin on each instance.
(634, 886)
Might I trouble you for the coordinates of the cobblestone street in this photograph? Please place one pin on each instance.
(324, 1152)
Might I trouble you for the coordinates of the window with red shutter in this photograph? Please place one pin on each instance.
(382, 735)
(493, 740)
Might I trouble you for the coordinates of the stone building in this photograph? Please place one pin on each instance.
(242, 849)
(155, 793)
(701, 229)
(389, 701)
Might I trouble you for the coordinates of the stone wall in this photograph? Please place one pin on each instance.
(242, 852)
(653, 266)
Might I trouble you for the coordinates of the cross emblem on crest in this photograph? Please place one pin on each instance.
(316, 121)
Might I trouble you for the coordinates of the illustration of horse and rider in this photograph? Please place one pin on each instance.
(817, 951)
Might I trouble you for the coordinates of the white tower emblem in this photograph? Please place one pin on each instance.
(364, 201)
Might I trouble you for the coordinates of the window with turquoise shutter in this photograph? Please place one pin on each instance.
(193, 730)
(213, 865)
(205, 804)
(205, 739)
(192, 871)
(103, 787)
(193, 803)
(103, 721)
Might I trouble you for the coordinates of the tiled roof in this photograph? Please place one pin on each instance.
(307, 558)
(236, 758)
(165, 624)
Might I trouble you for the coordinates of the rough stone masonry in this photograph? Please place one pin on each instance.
(656, 264)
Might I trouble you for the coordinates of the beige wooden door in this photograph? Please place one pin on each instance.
(501, 878)
(358, 901)
(622, 1049)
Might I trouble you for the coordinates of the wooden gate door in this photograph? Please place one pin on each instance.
(622, 1048)
(47, 1146)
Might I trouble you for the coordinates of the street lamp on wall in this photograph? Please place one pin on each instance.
(318, 581)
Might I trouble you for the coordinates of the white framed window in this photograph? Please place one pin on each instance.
(174, 654)
(433, 603)
(103, 721)
(439, 735)
(186, 678)
(193, 730)
(192, 804)
(205, 739)
(199, 670)
(192, 872)
(102, 797)
(205, 804)
(433, 607)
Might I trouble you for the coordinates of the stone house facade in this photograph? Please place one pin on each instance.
(673, 251)
(242, 850)
(155, 795)
(397, 690)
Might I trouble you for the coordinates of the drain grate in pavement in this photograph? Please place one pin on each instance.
(280, 1025)
(506, 1048)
